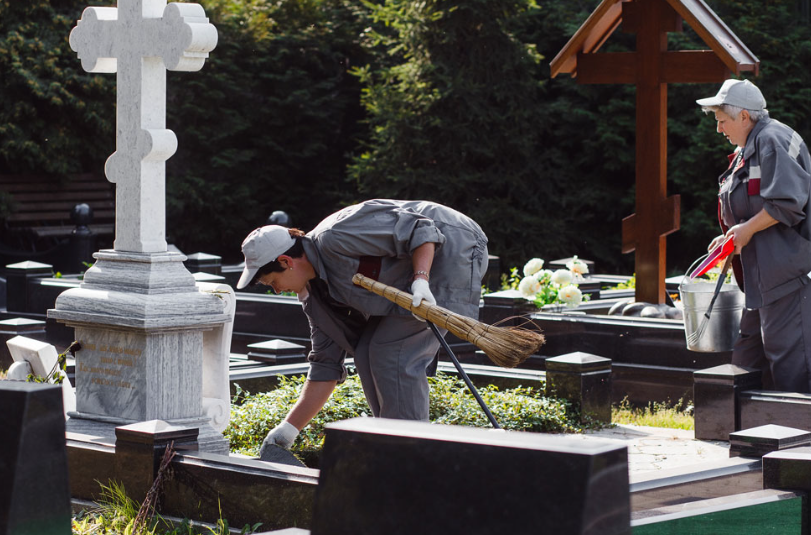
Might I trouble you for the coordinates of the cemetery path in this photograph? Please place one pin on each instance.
(652, 449)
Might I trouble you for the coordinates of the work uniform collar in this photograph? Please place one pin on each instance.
(314, 258)
(749, 148)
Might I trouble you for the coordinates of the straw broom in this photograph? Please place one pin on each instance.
(506, 346)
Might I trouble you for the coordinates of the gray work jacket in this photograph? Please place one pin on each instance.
(390, 230)
(772, 173)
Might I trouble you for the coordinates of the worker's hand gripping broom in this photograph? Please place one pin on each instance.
(506, 346)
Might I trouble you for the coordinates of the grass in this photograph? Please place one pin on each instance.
(115, 515)
(655, 414)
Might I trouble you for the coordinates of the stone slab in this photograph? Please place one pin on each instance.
(402, 477)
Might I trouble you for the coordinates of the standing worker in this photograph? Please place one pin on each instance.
(436, 252)
(764, 203)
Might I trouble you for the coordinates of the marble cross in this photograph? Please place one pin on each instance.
(139, 40)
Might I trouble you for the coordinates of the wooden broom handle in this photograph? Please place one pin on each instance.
(433, 313)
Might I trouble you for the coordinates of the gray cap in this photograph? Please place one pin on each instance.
(262, 246)
(740, 93)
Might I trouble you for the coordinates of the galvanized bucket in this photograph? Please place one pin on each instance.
(724, 325)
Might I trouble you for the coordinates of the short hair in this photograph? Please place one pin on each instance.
(734, 111)
(296, 251)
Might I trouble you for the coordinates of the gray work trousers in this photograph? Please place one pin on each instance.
(776, 339)
(391, 358)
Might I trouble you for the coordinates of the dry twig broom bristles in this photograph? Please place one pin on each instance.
(506, 346)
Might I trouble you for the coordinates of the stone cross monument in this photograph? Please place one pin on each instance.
(138, 41)
(138, 313)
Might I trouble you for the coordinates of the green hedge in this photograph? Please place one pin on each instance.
(451, 403)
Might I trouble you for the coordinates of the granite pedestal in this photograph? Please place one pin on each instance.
(140, 320)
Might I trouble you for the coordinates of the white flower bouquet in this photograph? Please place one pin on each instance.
(545, 287)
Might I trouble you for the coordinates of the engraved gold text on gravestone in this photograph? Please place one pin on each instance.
(108, 372)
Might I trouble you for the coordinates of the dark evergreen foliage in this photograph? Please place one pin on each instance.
(308, 105)
(54, 117)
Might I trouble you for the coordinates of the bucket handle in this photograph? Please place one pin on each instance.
(690, 269)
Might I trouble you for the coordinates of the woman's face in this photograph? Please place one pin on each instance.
(293, 279)
(735, 129)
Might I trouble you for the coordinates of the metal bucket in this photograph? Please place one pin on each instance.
(724, 325)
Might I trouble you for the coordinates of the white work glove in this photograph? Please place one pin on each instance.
(282, 435)
(421, 291)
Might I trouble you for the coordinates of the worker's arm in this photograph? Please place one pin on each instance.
(742, 233)
(314, 396)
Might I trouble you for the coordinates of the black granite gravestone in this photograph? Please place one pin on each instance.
(584, 380)
(392, 477)
(716, 392)
(34, 492)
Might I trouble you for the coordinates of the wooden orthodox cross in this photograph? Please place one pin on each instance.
(139, 40)
(651, 67)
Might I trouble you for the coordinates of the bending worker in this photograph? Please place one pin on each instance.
(764, 203)
(437, 253)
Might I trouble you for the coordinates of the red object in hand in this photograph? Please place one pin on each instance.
(716, 255)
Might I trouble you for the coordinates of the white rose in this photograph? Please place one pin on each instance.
(571, 295)
(528, 287)
(562, 277)
(532, 267)
(577, 266)
(544, 276)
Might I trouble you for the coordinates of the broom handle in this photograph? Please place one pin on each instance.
(433, 313)
(461, 371)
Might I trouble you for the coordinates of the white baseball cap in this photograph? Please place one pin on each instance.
(740, 93)
(262, 246)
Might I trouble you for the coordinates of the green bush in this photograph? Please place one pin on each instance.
(451, 403)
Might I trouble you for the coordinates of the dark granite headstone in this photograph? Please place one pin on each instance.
(17, 278)
(715, 391)
(583, 379)
(758, 441)
(390, 477)
(34, 492)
